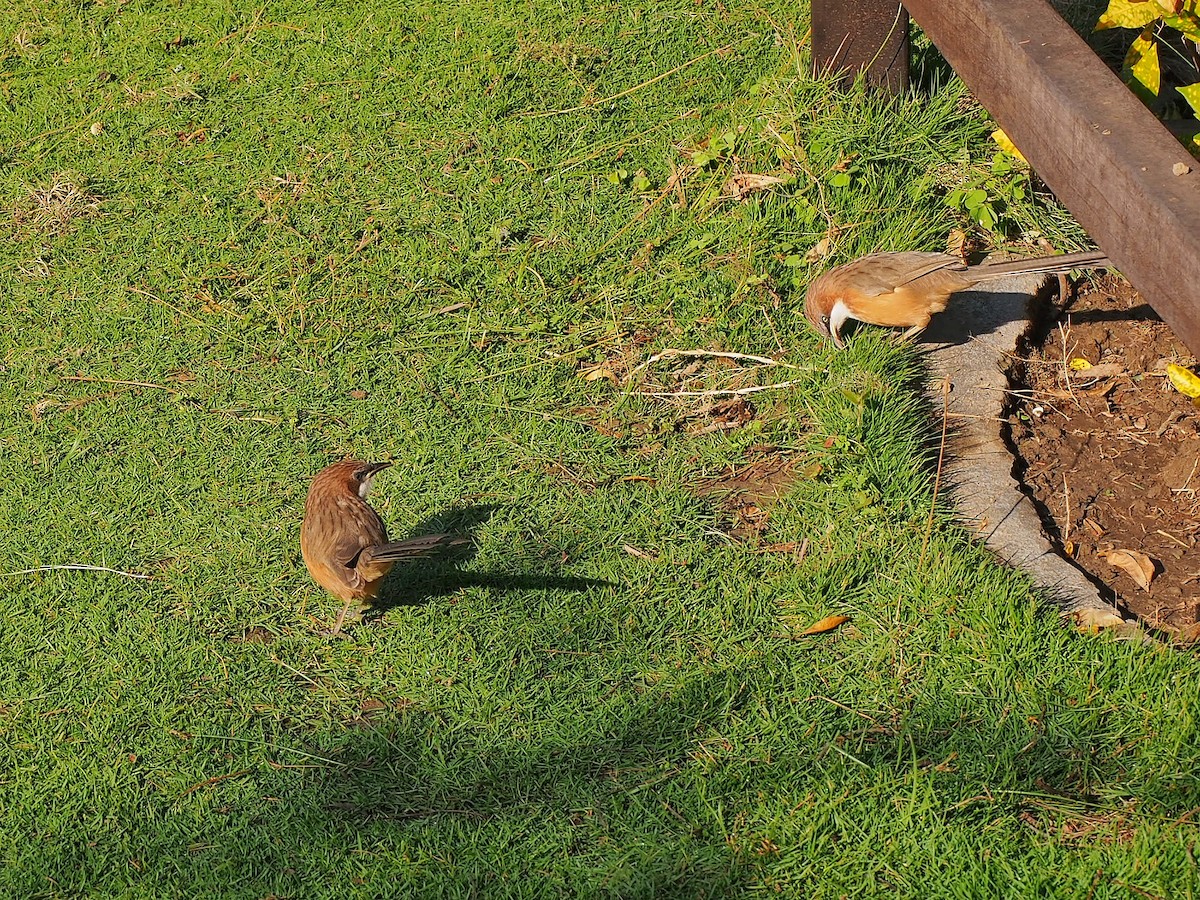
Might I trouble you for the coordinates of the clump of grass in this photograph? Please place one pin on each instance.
(55, 207)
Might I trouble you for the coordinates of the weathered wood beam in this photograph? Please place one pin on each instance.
(1105, 156)
(870, 36)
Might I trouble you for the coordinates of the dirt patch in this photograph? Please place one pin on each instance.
(1111, 452)
(748, 493)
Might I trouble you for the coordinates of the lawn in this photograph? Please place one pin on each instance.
(241, 244)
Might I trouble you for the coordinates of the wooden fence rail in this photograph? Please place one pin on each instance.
(1125, 178)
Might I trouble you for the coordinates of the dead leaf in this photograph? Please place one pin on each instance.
(1184, 380)
(255, 635)
(1103, 370)
(453, 307)
(724, 415)
(819, 250)
(743, 184)
(956, 243)
(39, 409)
(1004, 142)
(812, 470)
(196, 136)
(597, 372)
(358, 395)
(640, 554)
(1134, 563)
(826, 624)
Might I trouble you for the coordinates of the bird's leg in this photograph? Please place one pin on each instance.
(337, 627)
(912, 333)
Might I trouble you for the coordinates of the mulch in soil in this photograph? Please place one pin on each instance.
(1111, 453)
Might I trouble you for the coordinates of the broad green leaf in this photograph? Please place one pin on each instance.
(1191, 93)
(1141, 71)
(1129, 14)
(1187, 23)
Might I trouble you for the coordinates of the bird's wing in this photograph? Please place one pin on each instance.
(359, 528)
(881, 273)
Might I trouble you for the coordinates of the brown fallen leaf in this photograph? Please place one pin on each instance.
(826, 624)
(1134, 563)
(195, 136)
(743, 184)
(598, 372)
(819, 250)
(640, 554)
(1102, 370)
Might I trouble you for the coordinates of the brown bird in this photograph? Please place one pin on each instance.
(345, 543)
(906, 289)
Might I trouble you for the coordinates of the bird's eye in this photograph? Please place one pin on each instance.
(825, 319)
(360, 474)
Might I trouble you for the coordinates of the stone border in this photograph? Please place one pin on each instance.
(970, 345)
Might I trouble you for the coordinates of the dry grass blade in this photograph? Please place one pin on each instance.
(54, 208)
(75, 568)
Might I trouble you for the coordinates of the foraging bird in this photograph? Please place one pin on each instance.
(906, 289)
(345, 543)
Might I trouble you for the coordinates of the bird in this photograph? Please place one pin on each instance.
(905, 289)
(344, 541)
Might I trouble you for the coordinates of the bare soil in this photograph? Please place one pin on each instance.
(1111, 453)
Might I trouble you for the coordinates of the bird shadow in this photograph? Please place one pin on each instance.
(416, 582)
(976, 314)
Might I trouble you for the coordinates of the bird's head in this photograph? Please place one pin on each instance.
(826, 310)
(351, 475)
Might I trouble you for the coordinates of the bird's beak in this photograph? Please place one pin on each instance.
(837, 316)
(372, 468)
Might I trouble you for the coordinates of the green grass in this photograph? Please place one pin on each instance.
(391, 230)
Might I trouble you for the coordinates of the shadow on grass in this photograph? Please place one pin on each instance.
(423, 805)
(420, 580)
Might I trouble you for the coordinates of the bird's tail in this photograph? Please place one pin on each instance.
(423, 547)
(1043, 265)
